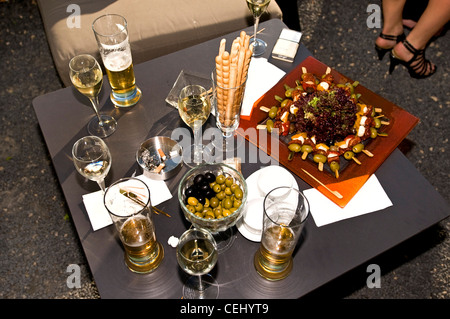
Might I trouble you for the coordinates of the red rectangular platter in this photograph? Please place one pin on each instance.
(353, 176)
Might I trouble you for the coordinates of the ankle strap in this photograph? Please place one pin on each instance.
(412, 49)
(396, 38)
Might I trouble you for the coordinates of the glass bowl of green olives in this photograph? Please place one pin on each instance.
(213, 196)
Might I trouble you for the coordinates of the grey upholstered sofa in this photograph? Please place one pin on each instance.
(156, 27)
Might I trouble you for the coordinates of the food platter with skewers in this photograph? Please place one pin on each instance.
(333, 132)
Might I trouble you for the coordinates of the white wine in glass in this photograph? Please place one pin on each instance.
(87, 77)
(92, 159)
(197, 255)
(257, 7)
(194, 107)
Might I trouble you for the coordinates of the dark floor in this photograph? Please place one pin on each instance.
(38, 240)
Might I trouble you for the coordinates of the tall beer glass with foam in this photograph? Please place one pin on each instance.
(111, 33)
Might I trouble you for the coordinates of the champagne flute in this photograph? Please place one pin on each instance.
(197, 255)
(87, 76)
(257, 7)
(92, 159)
(194, 107)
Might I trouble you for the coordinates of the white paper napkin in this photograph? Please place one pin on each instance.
(370, 198)
(262, 76)
(98, 214)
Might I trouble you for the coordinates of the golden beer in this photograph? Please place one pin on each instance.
(111, 33)
(142, 252)
(122, 81)
(273, 260)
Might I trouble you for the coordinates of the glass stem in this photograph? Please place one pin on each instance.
(197, 141)
(200, 283)
(101, 183)
(94, 102)
(255, 29)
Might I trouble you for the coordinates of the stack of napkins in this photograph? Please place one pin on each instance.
(262, 76)
(370, 198)
(98, 214)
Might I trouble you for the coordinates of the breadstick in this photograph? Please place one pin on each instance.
(219, 81)
(232, 84)
(222, 46)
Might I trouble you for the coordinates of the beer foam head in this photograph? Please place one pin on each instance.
(119, 204)
(117, 61)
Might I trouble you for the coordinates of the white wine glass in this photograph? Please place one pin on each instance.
(194, 106)
(92, 159)
(87, 77)
(197, 255)
(257, 7)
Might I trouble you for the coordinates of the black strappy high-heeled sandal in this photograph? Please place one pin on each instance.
(382, 51)
(418, 66)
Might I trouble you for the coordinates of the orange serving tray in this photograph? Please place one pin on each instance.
(351, 175)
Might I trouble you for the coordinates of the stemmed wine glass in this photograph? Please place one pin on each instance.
(194, 107)
(197, 255)
(92, 159)
(257, 7)
(87, 76)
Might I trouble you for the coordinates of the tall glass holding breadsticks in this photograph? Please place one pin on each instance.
(257, 7)
(229, 79)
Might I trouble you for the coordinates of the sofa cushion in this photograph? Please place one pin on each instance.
(156, 27)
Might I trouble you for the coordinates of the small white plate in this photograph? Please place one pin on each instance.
(275, 176)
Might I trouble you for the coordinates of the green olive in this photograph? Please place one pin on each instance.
(207, 203)
(348, 155)
(199, 207)
(220, 179)
(228, 191)
(220, 195)
(373, 132)
(238, 193)
(191, 208)
(377, 122)
(358, 148)
(237, 203)
(229, 181)
(234, 187)
(269, 126)
(273, 112)
(285, 101)
(295, 147)
(227, 203)
(334, 166)
(226, 212)
(192, 201)
(214, 202)
(218, 210)
(288, 92)
(217, 188)
(199, 214)
(319, 158)
(306, 148)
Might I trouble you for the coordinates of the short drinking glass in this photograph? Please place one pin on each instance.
(128, 203)
(285, 212)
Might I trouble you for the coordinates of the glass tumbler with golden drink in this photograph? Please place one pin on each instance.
(111, 33)
(285, 212)
(128, 202)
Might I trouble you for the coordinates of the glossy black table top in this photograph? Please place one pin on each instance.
(323, 253)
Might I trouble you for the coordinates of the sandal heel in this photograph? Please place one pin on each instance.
(381, 52)
(393, 62)
(418, 67)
